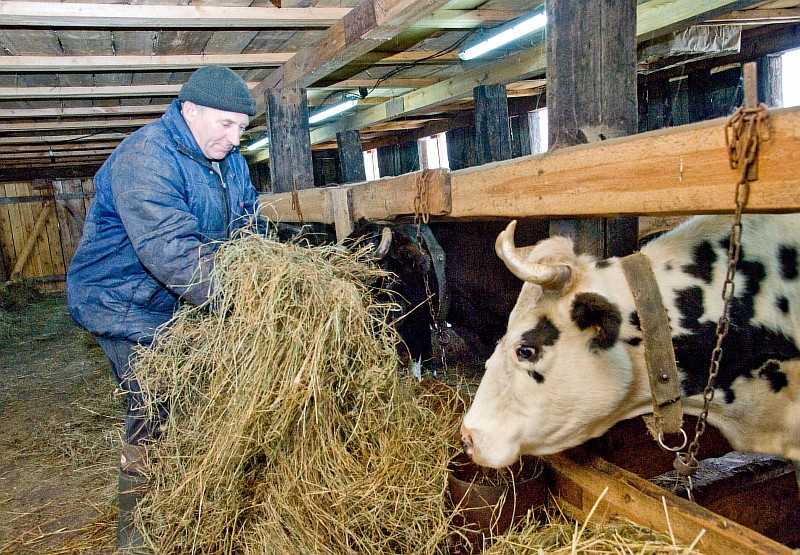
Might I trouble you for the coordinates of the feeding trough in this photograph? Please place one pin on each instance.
(492, 501)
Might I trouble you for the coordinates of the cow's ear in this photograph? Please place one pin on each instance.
(590, 310)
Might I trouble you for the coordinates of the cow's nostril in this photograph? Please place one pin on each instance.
(466, 442)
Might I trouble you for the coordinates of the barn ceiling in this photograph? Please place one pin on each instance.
(78, 77)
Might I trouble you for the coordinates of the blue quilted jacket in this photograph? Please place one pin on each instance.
(148, 240)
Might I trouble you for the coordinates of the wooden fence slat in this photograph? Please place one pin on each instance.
(6, 237)
(32, 241)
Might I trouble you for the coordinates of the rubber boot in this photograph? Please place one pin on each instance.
(132, 487)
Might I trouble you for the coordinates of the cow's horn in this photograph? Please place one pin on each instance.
(386, 242)
(548, 276)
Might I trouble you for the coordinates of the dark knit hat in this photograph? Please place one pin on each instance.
(219, 87)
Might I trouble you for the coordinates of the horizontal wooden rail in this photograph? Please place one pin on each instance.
(678, 171)
(577, 486)
(383, 199)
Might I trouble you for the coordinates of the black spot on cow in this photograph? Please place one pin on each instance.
(595, 311)
(689, 303)
(537, 376)
(787, 258)
(668, 267)
(771, 372)
(545, 333)
(782, 303)
(600, 264)
(746, 347)
(703, 258)
(533, 342)
(743, 306)
(633, 320)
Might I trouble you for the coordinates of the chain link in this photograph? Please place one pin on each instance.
(296, 200)
(421, 207)
(743, 134)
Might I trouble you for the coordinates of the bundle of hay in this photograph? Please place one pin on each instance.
(292, 430)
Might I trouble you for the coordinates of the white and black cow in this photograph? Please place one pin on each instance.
(571, 363)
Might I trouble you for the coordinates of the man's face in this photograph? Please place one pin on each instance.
(216, 131)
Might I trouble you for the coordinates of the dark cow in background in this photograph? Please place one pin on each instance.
(479, 288)
(571, 363)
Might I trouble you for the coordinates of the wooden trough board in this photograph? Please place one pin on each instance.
(577, 486)
(678, 171)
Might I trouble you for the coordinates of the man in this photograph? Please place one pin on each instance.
(164, 199)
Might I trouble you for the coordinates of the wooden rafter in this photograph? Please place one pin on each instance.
(141, 63)
(154, 16)
(149, 16)
(366, 27)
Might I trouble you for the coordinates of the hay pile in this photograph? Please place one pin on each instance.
(292, 429)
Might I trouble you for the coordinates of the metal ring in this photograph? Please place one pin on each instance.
(673, 449)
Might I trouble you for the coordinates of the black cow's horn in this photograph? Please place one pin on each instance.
(548, 276)
(386, 242)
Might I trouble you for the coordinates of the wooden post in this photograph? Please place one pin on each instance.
(658, 103)
(342, 205)
(3, 271)
(770, 84)
(492, 130)
(698, 85)
(351, 157)
(290, 164)
(591, 96)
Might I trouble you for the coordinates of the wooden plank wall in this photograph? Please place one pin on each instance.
(50, 252)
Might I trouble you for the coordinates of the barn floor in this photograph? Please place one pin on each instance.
(59, 433)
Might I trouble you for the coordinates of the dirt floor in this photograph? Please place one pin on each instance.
(60, 431)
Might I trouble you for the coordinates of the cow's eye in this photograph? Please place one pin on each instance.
(525, 353)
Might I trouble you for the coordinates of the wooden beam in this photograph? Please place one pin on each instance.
(654, 19)
(383, 199)
(60, 139)
(154, 16)
(142, 63)
(113, 91)
(758, 17)
(77, 124)
(82, 111)
(577, 486)
(677, 171)
(363, 29)
(149, 16)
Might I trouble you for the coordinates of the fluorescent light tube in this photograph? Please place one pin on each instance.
(258, 144)
(504, 37)
(333, 110)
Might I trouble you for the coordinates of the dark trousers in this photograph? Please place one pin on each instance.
(139, 425)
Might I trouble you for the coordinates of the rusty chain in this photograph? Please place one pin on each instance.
(296, 201)
(743, 135)
(421, 208)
